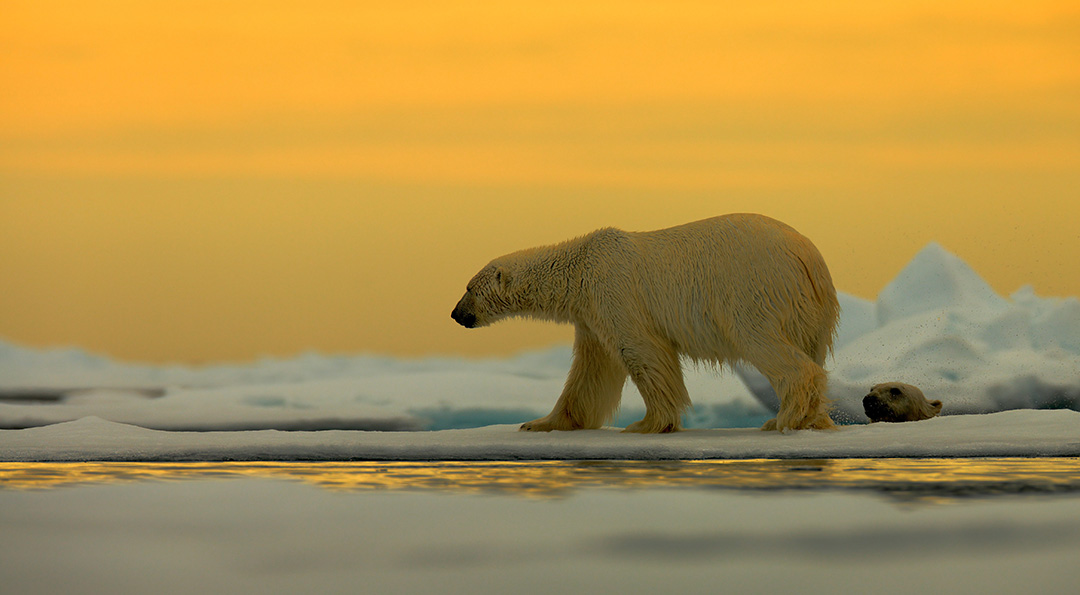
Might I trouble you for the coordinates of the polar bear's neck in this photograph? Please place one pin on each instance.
(549, 280)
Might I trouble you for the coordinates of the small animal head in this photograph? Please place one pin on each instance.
(488, 297)
(896, 402)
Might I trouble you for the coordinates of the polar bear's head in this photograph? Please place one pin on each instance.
(488, 298)
(896, 401)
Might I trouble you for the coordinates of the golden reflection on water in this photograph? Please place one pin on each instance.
(904, 478)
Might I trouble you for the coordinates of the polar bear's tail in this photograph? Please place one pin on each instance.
(825, 307)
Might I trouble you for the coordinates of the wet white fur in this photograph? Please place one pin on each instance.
(736, 287)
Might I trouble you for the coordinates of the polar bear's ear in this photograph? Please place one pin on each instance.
(502, 278)
(935, 405)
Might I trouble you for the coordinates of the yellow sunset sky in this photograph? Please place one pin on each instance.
(218, 181)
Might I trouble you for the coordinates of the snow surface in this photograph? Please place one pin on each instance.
(937, 325)
(1006, 434)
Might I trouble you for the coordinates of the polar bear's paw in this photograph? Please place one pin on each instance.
(821, 421)
(653, 426)
(550, 423)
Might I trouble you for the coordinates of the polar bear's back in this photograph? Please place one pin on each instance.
(721, 282)
(730, 249)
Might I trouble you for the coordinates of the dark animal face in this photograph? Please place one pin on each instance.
(897, 402)
(485, 300)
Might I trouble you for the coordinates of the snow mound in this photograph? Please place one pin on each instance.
(936, 279)
(940, 326)
(943, 329)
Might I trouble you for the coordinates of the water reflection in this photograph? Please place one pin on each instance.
(903, 479)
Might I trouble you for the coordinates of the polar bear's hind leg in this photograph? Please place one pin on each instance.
(801, 385)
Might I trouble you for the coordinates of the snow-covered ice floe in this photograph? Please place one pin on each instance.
(937, 325)
(1027, 433)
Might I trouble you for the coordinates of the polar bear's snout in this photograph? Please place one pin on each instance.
(463, 312)
(874, 408)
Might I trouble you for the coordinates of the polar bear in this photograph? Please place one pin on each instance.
(739, 287)
(897, 402)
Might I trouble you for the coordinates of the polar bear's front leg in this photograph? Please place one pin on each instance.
(654, 367)
(592, 390)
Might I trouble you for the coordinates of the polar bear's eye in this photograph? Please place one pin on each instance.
(894, 391)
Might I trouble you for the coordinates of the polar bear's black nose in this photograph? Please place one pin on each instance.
(463, 311)
(873, 407)
(465, 319)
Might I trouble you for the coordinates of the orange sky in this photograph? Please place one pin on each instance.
(213, 181)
